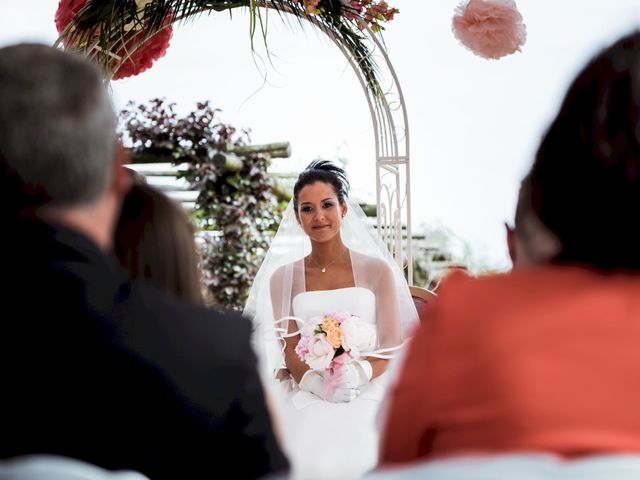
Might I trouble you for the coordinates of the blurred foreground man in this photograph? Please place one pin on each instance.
(93, 367)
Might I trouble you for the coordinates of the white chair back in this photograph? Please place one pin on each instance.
(51, 467)
(532, 466)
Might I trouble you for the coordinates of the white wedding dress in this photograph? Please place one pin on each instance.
(327, 440)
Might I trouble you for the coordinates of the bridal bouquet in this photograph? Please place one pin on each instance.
(328, 341)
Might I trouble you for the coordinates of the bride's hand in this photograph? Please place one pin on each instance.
(356, 374)
(341, 394)
(313, 382)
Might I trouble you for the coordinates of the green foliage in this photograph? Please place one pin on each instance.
(421, 277)
(236, 210)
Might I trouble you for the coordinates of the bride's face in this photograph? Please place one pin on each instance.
(319, 211)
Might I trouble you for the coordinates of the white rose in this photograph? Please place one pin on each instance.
(320, 353)
(309, 327)
(359, 336)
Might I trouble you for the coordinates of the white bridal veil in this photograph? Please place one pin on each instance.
(281, 277)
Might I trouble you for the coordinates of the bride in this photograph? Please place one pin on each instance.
(325, 258)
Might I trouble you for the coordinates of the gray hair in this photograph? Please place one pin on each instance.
(57, 124)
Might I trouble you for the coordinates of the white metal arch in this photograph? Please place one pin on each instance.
(391, 137)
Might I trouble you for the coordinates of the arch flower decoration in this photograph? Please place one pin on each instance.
(127, 36)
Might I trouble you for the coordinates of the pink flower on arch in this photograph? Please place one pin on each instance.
(142, 59)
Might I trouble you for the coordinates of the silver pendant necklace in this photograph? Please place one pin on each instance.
(324, 269)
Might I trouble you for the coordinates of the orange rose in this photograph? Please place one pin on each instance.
(329, 324)
(334, 336)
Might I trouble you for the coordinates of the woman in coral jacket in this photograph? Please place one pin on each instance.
(547, 357)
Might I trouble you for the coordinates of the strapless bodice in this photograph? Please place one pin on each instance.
(341, 457)
(357, 301)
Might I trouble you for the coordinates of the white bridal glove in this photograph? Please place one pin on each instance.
(313, 382)
(356, 374)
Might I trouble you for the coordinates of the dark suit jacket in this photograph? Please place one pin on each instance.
(118, 375)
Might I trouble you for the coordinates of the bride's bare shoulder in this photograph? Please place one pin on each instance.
(368, 260)
(282, 272)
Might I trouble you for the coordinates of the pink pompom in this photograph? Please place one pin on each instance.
(489, 28)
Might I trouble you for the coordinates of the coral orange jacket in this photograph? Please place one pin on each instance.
(541, 359)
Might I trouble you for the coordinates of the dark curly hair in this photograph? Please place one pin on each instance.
(326, 172)
(585, 181)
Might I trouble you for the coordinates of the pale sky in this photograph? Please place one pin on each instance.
(474, 123)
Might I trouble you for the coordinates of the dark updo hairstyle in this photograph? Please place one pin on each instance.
(585, 181)
(326, 172)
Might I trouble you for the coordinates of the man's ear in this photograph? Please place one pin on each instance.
(122, 177)
(511, 243)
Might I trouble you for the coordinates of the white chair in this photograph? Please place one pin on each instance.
(52, 467)
(532, 466)
(421, 298)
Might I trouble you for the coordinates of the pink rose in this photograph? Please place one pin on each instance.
(302, 348)
(339, 316)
